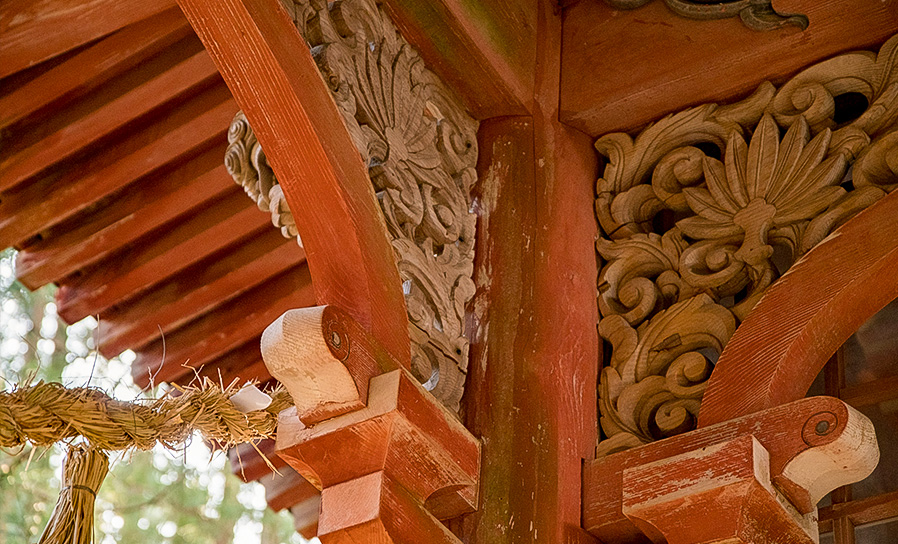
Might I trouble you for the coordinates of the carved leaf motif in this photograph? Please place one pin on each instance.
(421, 150)
(733, 223)
(756, 14)
(659, 370)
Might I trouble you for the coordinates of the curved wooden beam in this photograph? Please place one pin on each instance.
(274, 79)
(805, 316)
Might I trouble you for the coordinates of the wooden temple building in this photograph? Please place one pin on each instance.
(548, 271)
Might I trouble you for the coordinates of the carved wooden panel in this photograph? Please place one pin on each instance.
(420, 147)
(703, 210)
(756, 14)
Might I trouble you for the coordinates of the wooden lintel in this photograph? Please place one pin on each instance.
(274, 79)
(486, 51)
(810, 311)
(623, 69)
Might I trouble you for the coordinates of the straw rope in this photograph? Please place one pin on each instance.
(45, 413)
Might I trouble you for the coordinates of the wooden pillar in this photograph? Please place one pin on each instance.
(532, 381)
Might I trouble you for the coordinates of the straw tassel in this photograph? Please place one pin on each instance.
(72, 520)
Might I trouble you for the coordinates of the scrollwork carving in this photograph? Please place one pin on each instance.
(739, 192)
(755, 14)
(420, 147)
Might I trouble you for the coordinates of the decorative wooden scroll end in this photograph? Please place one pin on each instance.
(749, 480)
(390, 462)
(311, 352)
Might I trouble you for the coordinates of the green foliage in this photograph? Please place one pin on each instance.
(155, 497)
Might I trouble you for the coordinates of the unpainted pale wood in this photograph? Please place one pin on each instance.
(811, 311)
(298, 354)
(420, 147)
(673, 291)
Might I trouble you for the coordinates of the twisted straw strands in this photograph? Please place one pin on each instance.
(45, 413)
(72, 521)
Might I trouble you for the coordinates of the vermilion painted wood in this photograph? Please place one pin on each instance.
(778, 429)
(869, 394)
(60, 197)
(31, 32)
(378, 465)
(222, 225)
(622, 69)
(806, 315)
(271, 72)
(102, 123)
(198, 291)
(485, 51)
(714, 495)
(243, 363)
(122, 222)
(230, 326)
(49, 24)
(531, 390)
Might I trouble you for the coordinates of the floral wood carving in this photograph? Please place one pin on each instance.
(421, 150)
(755, 14)
(706, 208)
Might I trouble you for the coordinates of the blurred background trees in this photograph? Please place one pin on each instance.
(155, 497)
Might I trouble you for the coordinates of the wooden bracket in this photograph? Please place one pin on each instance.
(392, 461)
(751, 480)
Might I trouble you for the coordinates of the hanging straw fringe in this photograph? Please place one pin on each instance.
(72, 521)
(46, 413)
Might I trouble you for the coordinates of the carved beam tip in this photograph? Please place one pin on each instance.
(299, 351)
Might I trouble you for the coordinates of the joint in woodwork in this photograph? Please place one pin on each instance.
(799, 451)
(389, 471)
(324, 358)
(719, 493)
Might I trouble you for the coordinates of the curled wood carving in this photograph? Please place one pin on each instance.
(706, 208)
(246, 162)
(755, 14)
(420, 147)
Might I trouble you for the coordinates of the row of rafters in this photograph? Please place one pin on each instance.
(113, 130)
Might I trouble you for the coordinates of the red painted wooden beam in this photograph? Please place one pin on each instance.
(274, 79)
(806, 315)
(705, 485)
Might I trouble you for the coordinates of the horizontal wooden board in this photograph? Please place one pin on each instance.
(622, 69)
